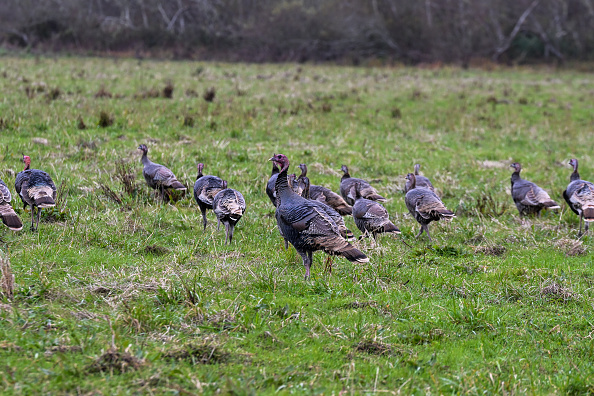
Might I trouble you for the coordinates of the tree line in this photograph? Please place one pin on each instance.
(410, 31)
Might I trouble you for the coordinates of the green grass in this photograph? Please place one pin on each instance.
(136, 298)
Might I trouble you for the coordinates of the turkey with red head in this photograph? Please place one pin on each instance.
(306, 224)
(36, 189)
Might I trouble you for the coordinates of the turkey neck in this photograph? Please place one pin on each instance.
(275, 169)
(346, 175)
(515, 177)
(282, 184)
(575, 175)
(144, 159)
(413, 182)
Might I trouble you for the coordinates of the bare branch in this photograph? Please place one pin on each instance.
(505, 45)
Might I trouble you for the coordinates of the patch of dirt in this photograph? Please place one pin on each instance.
(114, 361)
(205, 353)
(374, 348)
(555, 291)
(493, 250)
(571, 247)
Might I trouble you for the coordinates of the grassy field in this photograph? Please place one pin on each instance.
(134, 297)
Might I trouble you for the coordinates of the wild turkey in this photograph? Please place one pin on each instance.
(228, 205)
(158, 177)
(425, 205)
(528, 197)
(7, 213)
(307, 224)
(205, 189)
(346, 186)
(371, 217)
(325, 195)
(270, 185)
(579, 195)
(36, 188)
(422, 181)
(304, 188)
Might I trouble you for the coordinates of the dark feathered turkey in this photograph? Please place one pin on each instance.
(346, 186)
(325, 195)
(36, 189)
(159, 177)
(307, 225)
(371, 217)
(421, 181)
(528, 197)
(7, 213)
(579, 195)
(304, 188)
(228, 205)
(425, 206)
(270, 185)
(205, 188)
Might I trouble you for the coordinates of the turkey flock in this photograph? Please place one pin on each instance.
(308, 216)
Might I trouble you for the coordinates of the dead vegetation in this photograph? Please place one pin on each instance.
(209, 94)
(374, 348)
(105, 119)
(555, 291)
(571, 247)
(113, 361)
(6, 278)
(206, 352)
(102, 93)
(491, 250)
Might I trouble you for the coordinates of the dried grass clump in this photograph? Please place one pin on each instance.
(3, 124)
(53, 93)
(555, 291)
(113, 361)
(156, 250)
(167, 92)
(209, 94)
(124, 173)
(103, 93)
(374, 348)
(571, 247)
(493, 250)
(81, 123)
(6, 278)
(105, 119)
(188, 121)
(203, 353)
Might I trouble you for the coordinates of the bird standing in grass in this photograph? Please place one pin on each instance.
(304, 191)
(228, 205)
(421, 181)
(36, 188)
(425, 205)
(365, 189)
(7, 213)
(270, 185)
(205, 188)
(370, 216)
(579, 195)
(159, 177)
(306, 224)
(324, 195)
(528, 197)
